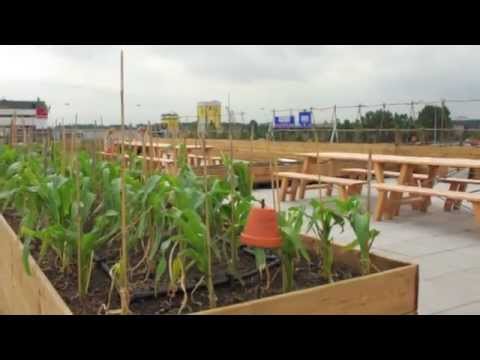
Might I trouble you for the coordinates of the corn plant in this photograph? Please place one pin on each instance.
(236, 211)
(359, 220)
(322, 221)
(290, 224)
(72, 208)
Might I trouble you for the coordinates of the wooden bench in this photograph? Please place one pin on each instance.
(110, 155)
(347, 187)
(158, 161)
(456, 184)
(384, 205)
(361, 174)
(196, 159)
(285, 161)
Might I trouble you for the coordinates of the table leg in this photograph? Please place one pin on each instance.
(382, 200)
(381, 205)
(378, 170)
(458, 203)
(449, 202)
(432, 173)
(209, 157)
(476, 210)
(283, 189)
(293, 190)
(406, 171)
(331, 174)
(303, 183)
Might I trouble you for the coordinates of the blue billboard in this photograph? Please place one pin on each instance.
(284, 122)
(305, 119)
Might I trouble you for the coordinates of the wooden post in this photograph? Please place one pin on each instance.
(230, 132)
(271, 173)
(175, 153)
(369, 180)
(13, 130)
(398, 137)
(24, 133)
(275, 165)
(64, 148)
(212, 300)
(78, 219)
(151, 164)
(94, 157)
(318, 161)
(251, 141)
(144, 154)
(124, 293)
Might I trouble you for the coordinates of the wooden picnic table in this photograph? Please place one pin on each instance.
(161, 149)
(407, 165)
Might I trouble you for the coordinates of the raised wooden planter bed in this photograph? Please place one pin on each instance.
(20, 293)
(393, 290)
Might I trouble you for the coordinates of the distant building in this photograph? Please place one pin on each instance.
(171, 121)
(30, 113)
(465, 123)
(210, 113)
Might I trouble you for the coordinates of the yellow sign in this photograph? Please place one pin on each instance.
(210, 112)
(171, 120)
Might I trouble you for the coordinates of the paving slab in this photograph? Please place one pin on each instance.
(468, 309)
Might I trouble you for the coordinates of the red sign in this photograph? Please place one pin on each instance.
(42, 113)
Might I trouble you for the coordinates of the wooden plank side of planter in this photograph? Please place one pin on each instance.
(393, 291)
(20, 293)
(388, 293)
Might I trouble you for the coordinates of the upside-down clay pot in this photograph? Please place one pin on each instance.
(261, 230)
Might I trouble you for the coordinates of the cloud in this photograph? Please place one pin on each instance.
(175, 78)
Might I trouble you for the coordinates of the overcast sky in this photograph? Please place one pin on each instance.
(174, 78)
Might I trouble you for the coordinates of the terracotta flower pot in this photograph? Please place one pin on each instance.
(261, 230)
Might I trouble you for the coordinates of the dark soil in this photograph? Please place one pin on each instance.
(228, 290)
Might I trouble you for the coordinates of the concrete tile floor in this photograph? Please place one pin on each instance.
(446, 245)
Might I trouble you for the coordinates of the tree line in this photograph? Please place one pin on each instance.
(429, 117)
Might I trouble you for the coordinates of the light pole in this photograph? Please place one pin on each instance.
(138, 106)
(265, 114)
(67, 104)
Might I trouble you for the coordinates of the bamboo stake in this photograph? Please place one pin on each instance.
(151, 164)
(317, 158)
(230, 135)
(270, 167)
(13, 129)
(78, 218)
(24, 133)
(94, 157)
(175, 153)
(71, 139)
(211, 290)
(251, 141)
(233, 245)
(144, 154)
(276, 180)
(45, 153)
(124, 294)
(274, 177)
(369, 180)
(64, 148)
